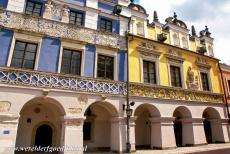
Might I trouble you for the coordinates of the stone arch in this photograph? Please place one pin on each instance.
(147, 132)
(40, 110)
(213, 125)
(183, 128)
(98, 126)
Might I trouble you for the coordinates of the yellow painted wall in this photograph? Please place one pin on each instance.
(190, 60)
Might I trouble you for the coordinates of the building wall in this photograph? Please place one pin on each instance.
(226, 76)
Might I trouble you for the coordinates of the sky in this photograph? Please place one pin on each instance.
(213, 13)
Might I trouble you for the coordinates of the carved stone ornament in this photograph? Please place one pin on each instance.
(74, 110)
(174, 55)
(192, 80)
(83, 99)
(74, 122)
(5, 106)
(201, 62)
(22, 22)
(149, 49)
(48, 9)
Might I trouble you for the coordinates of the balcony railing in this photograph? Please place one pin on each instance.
(59, 81)
(75, 83)
(23, 22)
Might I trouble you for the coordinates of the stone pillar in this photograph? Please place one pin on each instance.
(74, 134)
(8, 130)
(198, 131)
(220, 130)
(65, 14)
(48, 10)
(166, 134)
(118, 140)
(226, 131)
(132, 134)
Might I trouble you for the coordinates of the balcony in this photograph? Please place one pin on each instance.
(37, 79)
(27, 23)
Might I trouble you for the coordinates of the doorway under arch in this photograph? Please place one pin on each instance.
(43, 136)
(183, 129)
(147, 135)
(97, 129)
(212, 126)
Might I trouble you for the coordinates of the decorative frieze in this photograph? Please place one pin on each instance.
(149, 49)
(161, 92)
(17, 21)
(74, 110)
(174, 55)
(202, 62)
(5, 106)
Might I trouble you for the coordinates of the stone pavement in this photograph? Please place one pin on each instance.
(183, 150)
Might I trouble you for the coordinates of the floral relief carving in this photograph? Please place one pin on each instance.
(74, 110)
(83, 99)
(5, 106)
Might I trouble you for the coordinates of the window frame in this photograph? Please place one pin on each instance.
(106, 21)
(75, 20)
(72, 51)
(24, 54)
(207, 71)
(228, 85)
(25, 38)
(207, 84)
(176, 67)
(105, 72)
(34, 3)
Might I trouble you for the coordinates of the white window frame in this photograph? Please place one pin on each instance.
(207, 71)
(177, 64)
(110, 53)
(157, 69)
(72, 46)
(25, 38)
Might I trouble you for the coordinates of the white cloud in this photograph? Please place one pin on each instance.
(214, 13)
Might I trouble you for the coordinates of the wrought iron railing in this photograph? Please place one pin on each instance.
(75, 83)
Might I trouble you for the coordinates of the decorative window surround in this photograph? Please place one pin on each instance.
(149, 52)
(106, 52)
(72, 46)
(202, 63)
(25, 38)
(175, 59)
(207, 71)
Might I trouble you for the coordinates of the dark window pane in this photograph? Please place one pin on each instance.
(71, 62)
(33, 8)
(149, 72)
(205, 82)
(106, 25)
(105, 67)
(229, 86)
(175, 76)
(76, 18)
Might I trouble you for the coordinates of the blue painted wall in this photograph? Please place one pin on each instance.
(105, 7)
(115, 24)
(49, 55)
(5, 43)
(3, 3)
(90, 52)
(122, 66)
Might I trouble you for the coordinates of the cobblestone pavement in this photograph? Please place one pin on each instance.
(183, 150)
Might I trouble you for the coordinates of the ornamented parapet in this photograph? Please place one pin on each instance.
(58, 81)
(174, 93)
(58, 29)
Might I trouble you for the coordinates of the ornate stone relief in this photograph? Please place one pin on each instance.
(74, 122)
(5, 106)
(83, 99)
(48, 9)
(192, 80)
(74, 110)
(17, 21)
(201, 62)
(149, 49)
(174, 55)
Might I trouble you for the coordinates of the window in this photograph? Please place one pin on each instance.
(175, 76)
(140, 28)
(105, 67)
(228, 86)
(205, 82)
(106, 25)
(149, 70)
(76, 18)
(71, 62)
(24, 55)
(185, 43)
(176, 40)
(33, 8)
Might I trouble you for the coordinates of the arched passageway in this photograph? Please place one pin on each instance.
(40, 123)
(147, 134)
(183, 129)
(97, 129)
(212, 126)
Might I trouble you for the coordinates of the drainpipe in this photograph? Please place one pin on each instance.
(128, 145)
(225, 95)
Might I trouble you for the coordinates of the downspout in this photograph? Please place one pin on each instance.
(225, 95)
(128, 145)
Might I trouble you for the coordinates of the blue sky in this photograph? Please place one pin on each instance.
(214, 13)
